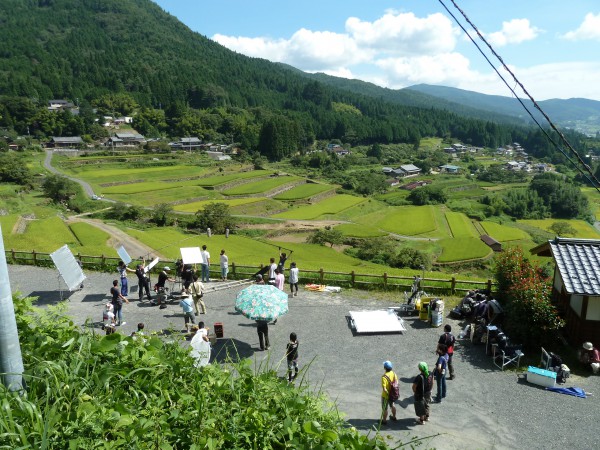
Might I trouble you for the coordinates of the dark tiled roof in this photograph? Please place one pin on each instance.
(488, 239)
(578, 261)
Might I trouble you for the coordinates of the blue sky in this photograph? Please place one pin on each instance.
(553, 46)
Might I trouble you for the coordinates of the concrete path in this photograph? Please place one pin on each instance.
(485, 408)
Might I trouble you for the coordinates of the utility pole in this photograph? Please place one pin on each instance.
(11, 360)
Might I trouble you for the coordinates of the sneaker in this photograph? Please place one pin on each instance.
(123, 323)
(267, 347)
(393, 418)
(295, 294)
(384, 422)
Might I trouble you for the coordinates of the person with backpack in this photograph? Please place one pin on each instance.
(390, 391)
(421, 388)
(440, 373)
(291, 353)
(197, 290)
(448, 340)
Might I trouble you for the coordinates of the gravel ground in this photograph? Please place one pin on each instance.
(484, 408)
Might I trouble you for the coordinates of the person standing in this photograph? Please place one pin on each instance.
(279, 279)
(291, 353)
(272, 268)
(262, 328)
(143, 284)
(197, 290)
(421, 388)
(293, 279)
(187, 275)
(388, 379)
(117, 302)
(224, 265)
(282, 259)
(187, 304)
(440, 373)
(123, 269)
(205, 265)
(448, 340)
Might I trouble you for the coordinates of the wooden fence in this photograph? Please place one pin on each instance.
(450, 285)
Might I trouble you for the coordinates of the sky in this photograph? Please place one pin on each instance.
(553, 47)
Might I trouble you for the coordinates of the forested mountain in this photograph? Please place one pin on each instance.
(131, 57)
(573, 112)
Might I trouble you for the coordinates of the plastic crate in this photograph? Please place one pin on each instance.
(541, 377)
(218, 329)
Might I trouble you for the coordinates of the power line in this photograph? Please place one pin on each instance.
(586, 169)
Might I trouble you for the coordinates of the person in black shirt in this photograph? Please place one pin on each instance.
(422, 392)
(448, 340)
(291, 354)
(262, 327)
(187, 275)
(163, 277)
(117, 302)
(143, 281)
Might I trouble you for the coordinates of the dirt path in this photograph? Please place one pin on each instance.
(134, 247)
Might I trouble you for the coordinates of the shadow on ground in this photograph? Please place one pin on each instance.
(229, 349)
(45, 298)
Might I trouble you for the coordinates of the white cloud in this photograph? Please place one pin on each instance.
(514, 31)
(588, 30)
(404, 33)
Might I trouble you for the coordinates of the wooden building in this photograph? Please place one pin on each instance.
(576, 285)
(491, 242)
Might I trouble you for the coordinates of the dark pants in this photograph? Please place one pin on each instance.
(292, 286)
(450, 365)
(441, 386)
(144, 286)
(263, 335)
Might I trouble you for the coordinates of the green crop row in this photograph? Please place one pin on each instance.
(503, 233)
(460, 225)
(463, 248)
(257, 187)
(331, 205)
(303, 191)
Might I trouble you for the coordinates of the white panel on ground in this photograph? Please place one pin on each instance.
(379, 321)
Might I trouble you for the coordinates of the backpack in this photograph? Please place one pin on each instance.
(394, 392)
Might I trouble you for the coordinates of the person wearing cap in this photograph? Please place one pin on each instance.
(590, 356)
(387, 379)
(421, 388)
(259, 279)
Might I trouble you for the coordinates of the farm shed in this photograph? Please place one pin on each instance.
(65, 142)
(491, 242)
(576, 285)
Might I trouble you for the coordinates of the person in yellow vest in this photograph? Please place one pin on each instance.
(389, 380)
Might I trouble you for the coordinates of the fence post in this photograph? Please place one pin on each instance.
(489, 285)
(452, 285)
(103, 259)
(233, 269)
(321, 276)
(352, 278)
(12, 250)
(34, 257)
(385, 275)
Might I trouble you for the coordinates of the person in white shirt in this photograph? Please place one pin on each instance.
(205, 265)
(272, 268)
(293, 280)
(224, 266)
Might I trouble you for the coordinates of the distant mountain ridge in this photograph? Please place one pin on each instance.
(577, 113)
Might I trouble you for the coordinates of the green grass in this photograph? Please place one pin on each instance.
(7, 223)
(361, 231)
(303, 191)
(407, 220)
(584, 229)
(330, 205)
(460, 225)
(175, 194)
(45, 235)
(257, 187)
(463, 248)
(504, 233)
(227, 178)
(100, 173)
(196, 206)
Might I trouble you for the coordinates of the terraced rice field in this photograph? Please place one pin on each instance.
(503, 233)
(257, 187)
(218, 180)
(360, 231)
(461, 249)
(584, 230)
(408, 220)
(303, 191)
(460, 225)
(196, 206)
(331, 205)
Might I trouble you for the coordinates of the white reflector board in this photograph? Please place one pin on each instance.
(379, 321)
(124, 255)
(68, 268)
(191, 255)
(150, 266)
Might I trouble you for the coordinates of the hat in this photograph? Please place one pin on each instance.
(167, 268)
(588, 346)
(387, 365)
(259, 277)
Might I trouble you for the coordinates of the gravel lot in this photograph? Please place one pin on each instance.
(484, 408)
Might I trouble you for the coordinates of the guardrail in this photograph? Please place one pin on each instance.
(352, 279)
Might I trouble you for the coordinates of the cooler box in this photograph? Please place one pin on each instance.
(424, 311)
(437, 318)
(218, 328)
(541, 377)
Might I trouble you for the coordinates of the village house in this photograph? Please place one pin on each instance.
(491, 242)
(337, 150)
(65, 142)
(414, 185)
(131, 139)
(218, 156)
(448, 168)
(404, 171)
(576, 285)
(58, 105)
(187, 143)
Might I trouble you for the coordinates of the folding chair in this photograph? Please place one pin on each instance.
(504, 358)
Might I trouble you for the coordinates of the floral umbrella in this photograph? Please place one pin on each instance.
(262, 302)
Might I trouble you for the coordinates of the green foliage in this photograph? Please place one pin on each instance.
(427, 195)
(497, 173)
(411, 258)
(365, 183)
(90, 391)
(216, 216)
(13, 169)
(326, 235)
(161, 214)
(526, 296)
(59, 188)
(563, 229)
(123, 212)
(378, 250)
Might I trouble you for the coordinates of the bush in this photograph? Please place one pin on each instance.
(411, 258)
(526, 295)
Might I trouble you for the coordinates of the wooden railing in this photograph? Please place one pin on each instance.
(450, 285)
